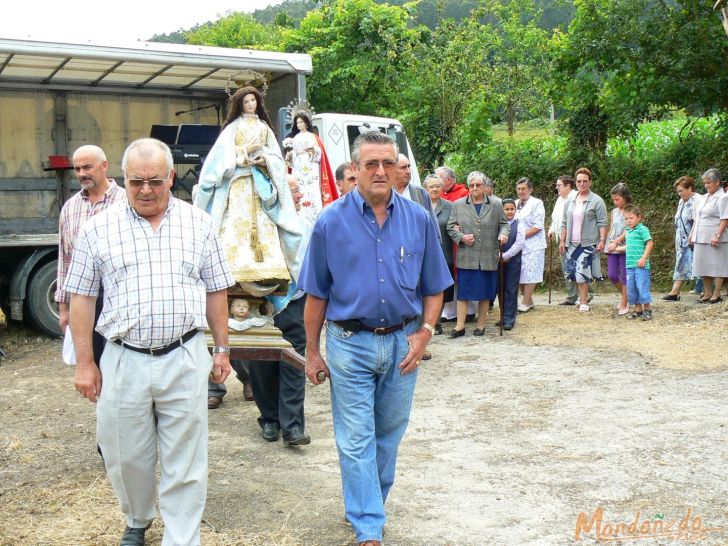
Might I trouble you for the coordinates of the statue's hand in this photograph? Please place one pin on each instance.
(251, 148)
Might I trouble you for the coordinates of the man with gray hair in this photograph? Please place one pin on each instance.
(165, 280)
(489, 186)
(373, 265)
(416, 194)
(345, 179)
(451, 190)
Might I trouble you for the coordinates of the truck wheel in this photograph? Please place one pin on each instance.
(4, 308)
(40, 301)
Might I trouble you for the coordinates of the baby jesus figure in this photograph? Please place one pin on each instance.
(239, 309)
(240, 319)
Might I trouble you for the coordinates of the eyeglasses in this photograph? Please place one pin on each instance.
(373, 164)
(154, 183)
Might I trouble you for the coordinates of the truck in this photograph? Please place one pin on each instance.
(338, 131)
(55, 97)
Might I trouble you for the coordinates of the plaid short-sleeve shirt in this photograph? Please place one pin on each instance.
(74, 214)
(155, 283)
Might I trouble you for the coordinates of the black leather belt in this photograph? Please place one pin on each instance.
(159, 351)
(355, 326)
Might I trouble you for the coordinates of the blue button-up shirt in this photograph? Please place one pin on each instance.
(372, 274)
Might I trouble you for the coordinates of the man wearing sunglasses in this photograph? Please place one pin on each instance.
(165, 280)
(374, 264)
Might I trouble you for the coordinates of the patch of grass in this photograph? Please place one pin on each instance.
(501, 133)
(536, 129)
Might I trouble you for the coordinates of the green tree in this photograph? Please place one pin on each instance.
(176, 37)
(295, 9)
(239, 30)
(629, 60)
(446, 76)
(359, 49)
(519, 58)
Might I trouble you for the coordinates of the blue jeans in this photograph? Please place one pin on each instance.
(698, 285)
(638, 286)
(370, 403)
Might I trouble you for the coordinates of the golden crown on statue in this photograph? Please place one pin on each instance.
(243, 78)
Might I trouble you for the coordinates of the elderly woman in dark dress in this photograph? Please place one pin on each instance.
(433, 185)
(478, 227)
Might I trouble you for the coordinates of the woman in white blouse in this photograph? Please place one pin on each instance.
(531, 214)
(710, 237)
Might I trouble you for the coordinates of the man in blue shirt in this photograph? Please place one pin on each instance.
(373, 265)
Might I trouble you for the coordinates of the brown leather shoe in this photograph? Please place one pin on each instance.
(248, 392)
(427, 355)
(213, 402)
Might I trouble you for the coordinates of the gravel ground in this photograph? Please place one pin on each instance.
(510, 439)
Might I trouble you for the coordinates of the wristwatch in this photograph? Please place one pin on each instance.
(221, 349)
(429, 327)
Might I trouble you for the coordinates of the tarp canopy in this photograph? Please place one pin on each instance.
(140, 66)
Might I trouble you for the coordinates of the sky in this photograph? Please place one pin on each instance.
(114, 22)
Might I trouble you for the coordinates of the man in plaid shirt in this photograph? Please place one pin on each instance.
(96, 195)
(165, 277)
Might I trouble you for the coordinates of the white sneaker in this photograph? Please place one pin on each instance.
(524, 308)
(583, 308)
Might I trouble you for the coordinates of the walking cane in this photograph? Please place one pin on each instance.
(551, 267)
(501, 289)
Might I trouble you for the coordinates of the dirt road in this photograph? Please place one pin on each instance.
(510, 440)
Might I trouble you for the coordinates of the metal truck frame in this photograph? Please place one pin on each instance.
(55, 97)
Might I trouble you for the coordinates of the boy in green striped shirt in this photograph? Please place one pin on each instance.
(639, 247)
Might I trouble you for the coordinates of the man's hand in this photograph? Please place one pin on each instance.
(220, 367)
(87, 379)
(550, 235)
(418, 344)
(600, 246)
(65, 313)
(468, 240)
(503, 239)
(562, 248)
(315, 364)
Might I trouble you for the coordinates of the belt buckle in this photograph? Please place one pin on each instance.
(380, 331)
(154, 352)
